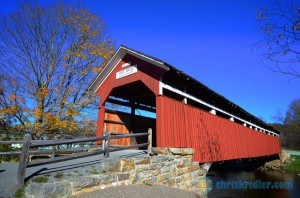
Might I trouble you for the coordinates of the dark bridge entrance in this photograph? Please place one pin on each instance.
(134, 112)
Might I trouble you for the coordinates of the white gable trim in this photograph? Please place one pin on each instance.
(115, 60)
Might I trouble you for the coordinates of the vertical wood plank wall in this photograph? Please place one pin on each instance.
(213, 138)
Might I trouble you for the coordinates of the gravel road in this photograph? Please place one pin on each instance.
(8, 171)
(293, 152)
(138, 191)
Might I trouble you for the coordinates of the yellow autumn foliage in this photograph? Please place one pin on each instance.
(72, 112)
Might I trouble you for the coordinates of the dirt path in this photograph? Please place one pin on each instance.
(138, 191)
(293, 152)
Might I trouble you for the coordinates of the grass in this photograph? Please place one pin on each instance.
(20, 192)
(148, 184)
(292, 149)
(59, 175)
(40, 179)
(94, 172)
(294, 165)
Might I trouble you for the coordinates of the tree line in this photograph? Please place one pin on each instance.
(288, 124)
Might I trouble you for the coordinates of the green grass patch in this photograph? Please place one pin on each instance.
(95, 172)
(292, 149)
(148, 184)
(294, 165)
(40, 179)
(59, 175)
(20, 192)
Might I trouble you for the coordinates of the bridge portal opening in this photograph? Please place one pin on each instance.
(130, 108)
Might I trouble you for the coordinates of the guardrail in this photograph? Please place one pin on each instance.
(105, 149)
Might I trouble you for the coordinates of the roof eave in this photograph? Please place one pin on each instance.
(119, 54)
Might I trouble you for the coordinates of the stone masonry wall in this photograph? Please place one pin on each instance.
(172, 167)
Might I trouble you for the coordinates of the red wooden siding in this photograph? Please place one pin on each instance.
(213, 138)
(99, 132)
(147, 73)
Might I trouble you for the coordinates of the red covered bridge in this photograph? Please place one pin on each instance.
(181, 111)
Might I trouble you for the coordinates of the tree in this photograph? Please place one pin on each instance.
(292, 121)
(289, 125)
(48, 57)
(280, 26)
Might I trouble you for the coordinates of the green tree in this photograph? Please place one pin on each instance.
(289, 125)
(48, 57)
(292, 121)
(280, 26)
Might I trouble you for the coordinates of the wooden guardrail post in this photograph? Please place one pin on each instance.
(133, 141)
(54, 148)
(106, 144)
(150, 140)
(23, 161)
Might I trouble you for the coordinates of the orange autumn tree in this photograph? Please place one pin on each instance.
(48, 57)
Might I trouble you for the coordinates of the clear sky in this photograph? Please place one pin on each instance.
(211, 41)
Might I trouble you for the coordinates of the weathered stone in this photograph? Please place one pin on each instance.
(180, 166)
(140, 161)
(165, 169)
(132, 177)
(140, 168)
(272, 165)
(181, 171)
(195, 181)
(173, 171)
(106, 178)
(170, 182)
(56, 189)
(178, 161)
(149, 180)
(284, 157)
(167, 163)
(159, 150)
(183, 178)
(182, 185)
(154, 166)
(159, 159)
(202, 172)
(189, 183)
(181, 151)
(121, 183)
(197, 173)
(188, 158)
(192, 168)
(123, 176)
(108, 164)
(172, 157)
(194, 174)
(163, 177)
(177, 170)
(155, 172)
(121, 165)
(145, 174)
(85, 182)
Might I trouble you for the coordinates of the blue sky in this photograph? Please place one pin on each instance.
(209, 40)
